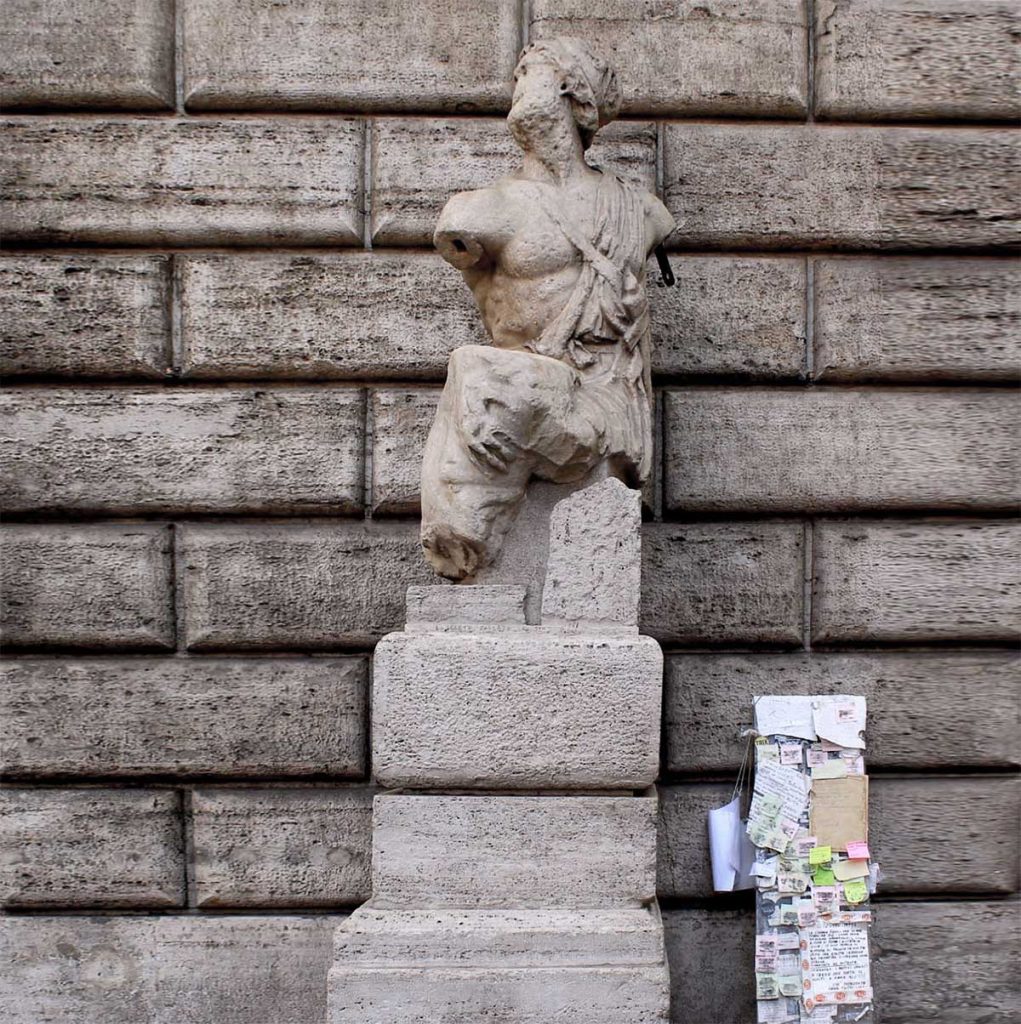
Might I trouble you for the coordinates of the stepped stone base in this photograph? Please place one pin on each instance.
(525, 893)
(398, 966)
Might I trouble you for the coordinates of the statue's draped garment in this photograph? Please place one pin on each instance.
(580, 395)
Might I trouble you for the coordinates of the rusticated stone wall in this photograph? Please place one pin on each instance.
(224, 331)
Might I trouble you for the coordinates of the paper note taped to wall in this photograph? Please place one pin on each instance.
(784, 716)
(835, 964)
(840, 811)
(840, 720)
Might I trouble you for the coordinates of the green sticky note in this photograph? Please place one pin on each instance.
(823, 876)
(820, 855)
(856, 891)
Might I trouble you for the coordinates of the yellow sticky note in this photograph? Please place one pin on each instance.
(855, 892)
(820, 855)
(824, 876)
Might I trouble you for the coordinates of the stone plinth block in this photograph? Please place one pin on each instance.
(516, 708)
(519, 967)
(513, 851)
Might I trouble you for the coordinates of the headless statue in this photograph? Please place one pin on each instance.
(555, 256)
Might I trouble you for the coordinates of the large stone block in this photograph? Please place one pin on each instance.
(730, 316)
(939, 836)
(935, 836)
(154, 450)
(915, 582)
(518, 708)
(297, 586)
(947, 962)
(74, 53)
(418, 164)
(962, 703)
(513, 851)
(723, 583)
(355, 314)
(709, 954)
(361, 55)
(105, 586)
(793, 451)
(594, 563)
(182, 181)
(680, 59)
(269, 847)
(401, 419)
(916, 59)
(81, 315)
(915, 319)
(91, 848)
(807, 186)
(168, 969)
(188, 716)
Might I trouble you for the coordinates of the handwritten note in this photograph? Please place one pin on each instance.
(840, 720)
(784, 716)
(836, 964)
(787, 785)
(858, 850)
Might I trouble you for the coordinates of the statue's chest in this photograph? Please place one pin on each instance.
(538, 246)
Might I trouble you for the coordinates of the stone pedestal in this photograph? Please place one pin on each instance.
(514, 873)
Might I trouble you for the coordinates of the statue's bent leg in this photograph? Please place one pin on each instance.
(503, 416)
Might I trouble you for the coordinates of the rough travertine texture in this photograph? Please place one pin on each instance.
(840, 450)
(516, 710)
(400, 422)
(296, 586)
(916, 59)
(606, 994)
(419, 164)
(945, 697)
(462, 966)
(730, 316)
(208, 716)
(87, 586)
(915, 581)
(511, 937)
(439, 607)
(234, 969)
(118, 54)
(91, 848)
(277, 315)
(129, 451)
(513, 851)
(764, 186)
(924, 833)
(360, 55)
(947, 835)
(722, 57)
(182, 181)
(90, 316)
(594, 572)
(723, 583)
(281, 847)
(917, 320)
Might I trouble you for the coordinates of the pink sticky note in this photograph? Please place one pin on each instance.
(858, 850)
